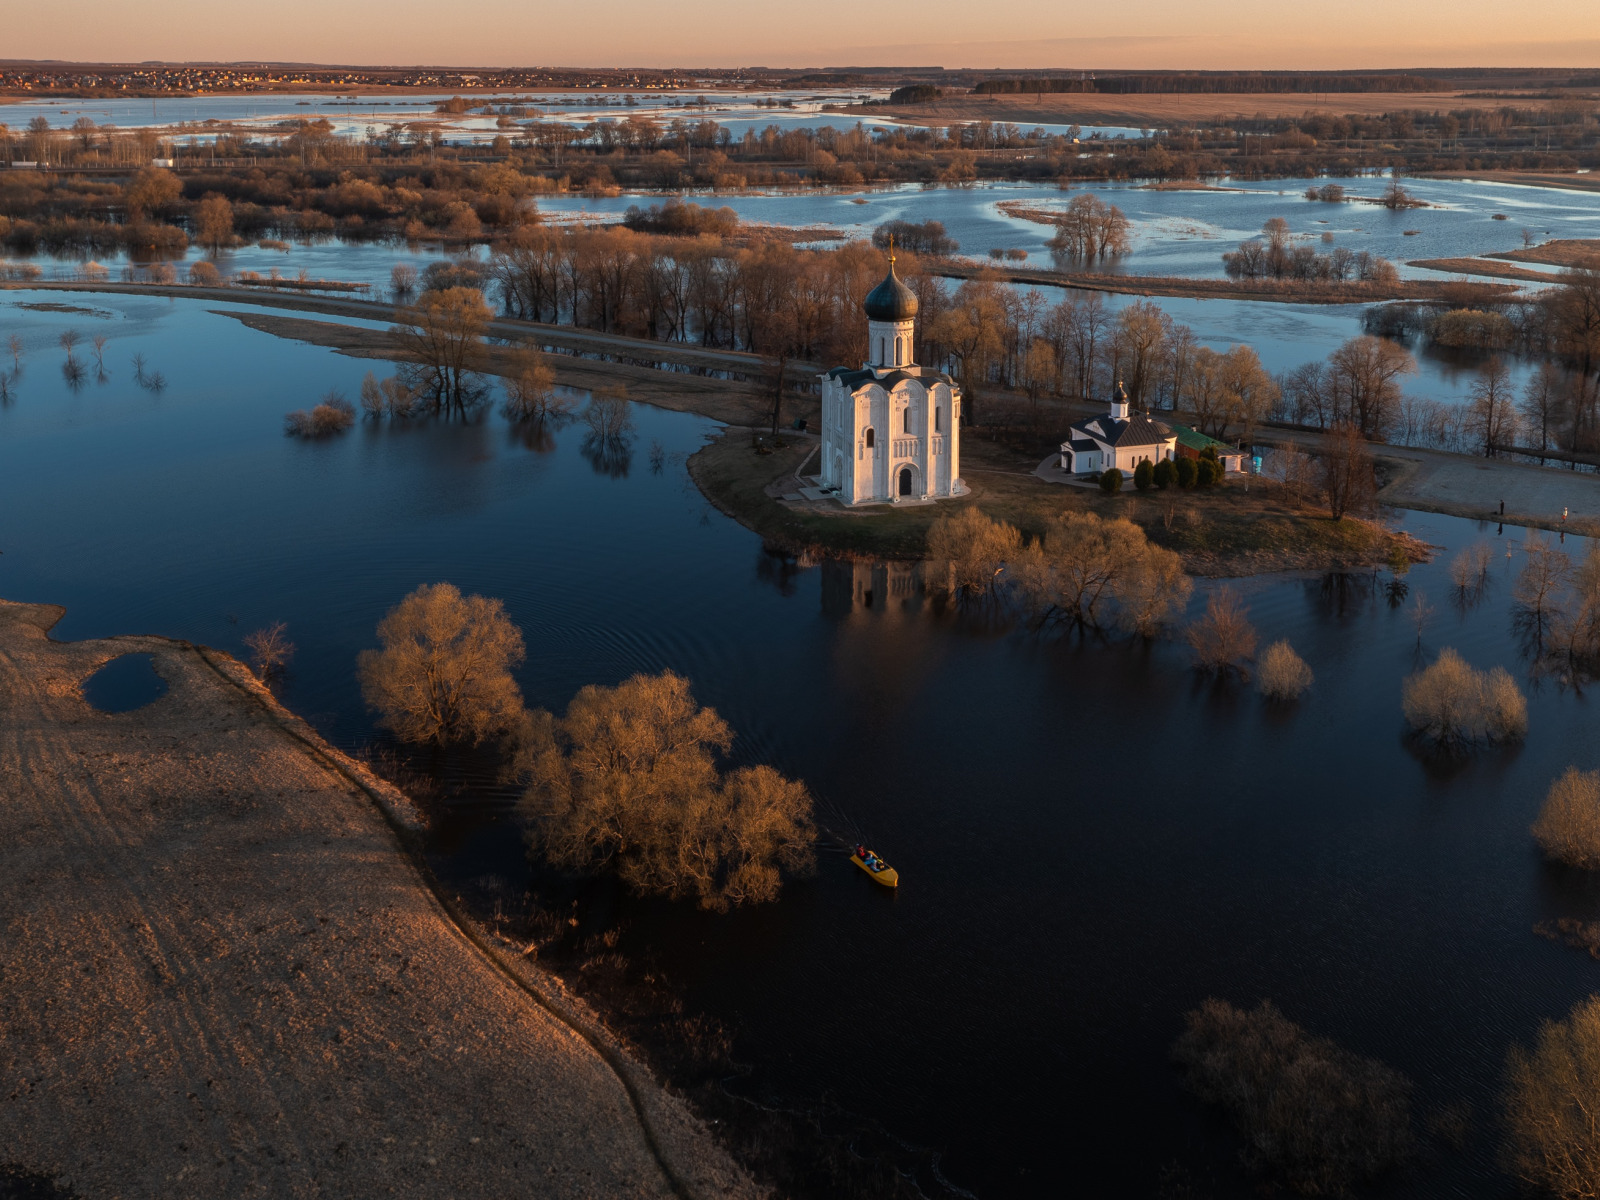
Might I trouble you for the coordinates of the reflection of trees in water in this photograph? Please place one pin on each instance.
(536, 433)
(609, 456)
(608, 445)
(1343, 593)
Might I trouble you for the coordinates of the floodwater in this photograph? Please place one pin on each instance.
(1186, 232)
(1090, 840)
(1178, 233)
(359, 115)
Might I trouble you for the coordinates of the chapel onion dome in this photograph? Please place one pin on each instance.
(891, 300)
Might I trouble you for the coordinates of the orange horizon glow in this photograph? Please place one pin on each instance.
(1030, 34)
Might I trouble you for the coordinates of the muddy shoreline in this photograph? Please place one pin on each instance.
(225, 973)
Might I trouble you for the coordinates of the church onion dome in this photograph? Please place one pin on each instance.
(891, 300)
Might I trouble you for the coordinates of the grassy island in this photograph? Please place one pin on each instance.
(1227, 530)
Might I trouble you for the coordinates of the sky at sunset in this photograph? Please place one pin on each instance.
(950, 33)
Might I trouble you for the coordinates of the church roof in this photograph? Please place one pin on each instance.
(1137, 430)
(891, 300)
(854, 380)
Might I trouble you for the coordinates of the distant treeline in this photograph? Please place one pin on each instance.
(1199, 83)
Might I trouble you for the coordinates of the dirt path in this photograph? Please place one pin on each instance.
(224, 977)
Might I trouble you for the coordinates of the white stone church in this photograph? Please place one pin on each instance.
(891, 432)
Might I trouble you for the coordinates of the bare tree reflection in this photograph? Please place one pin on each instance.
(608, 444)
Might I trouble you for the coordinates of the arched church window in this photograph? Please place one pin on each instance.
(869, 439)
(938, 425)
(897, 352)
(908, 418)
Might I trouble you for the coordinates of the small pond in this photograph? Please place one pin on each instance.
(127, 682)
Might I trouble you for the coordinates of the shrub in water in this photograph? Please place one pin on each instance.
(1314, 1114)
(1111, 482)
(334, 415)
(1555, 1142)
(1283, 673)
(1568, 828)
(1452, 704)
(1143, 476)
(1223, 640)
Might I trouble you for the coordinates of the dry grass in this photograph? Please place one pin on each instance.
(1481, 266)
(1561, 252)
(253, 988)
(1229, 531)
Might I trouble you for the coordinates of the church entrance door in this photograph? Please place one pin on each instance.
(905, 481)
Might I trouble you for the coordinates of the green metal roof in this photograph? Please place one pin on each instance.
(1196, 440)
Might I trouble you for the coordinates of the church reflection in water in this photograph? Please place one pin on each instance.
(879, 586)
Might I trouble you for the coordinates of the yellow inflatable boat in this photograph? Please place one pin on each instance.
(880, 871)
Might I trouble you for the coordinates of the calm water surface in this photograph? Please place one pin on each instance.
(1091, 840)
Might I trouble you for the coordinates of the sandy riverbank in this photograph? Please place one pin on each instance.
(224, 976)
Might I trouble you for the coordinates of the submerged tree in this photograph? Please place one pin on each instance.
(444, 342)
(1550, 1106)
(1093, 573)
(967, 552)
(629, 781)
(1091, 229)
(1223, 640)
(1283, 674)
(1453, 705)
(530, 388)
(1317, 1116)
(1568, 828)
(443, 673)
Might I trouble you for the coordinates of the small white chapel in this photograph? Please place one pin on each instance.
(891, 431)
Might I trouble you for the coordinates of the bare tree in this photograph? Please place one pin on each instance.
(14, 348)
(1283, 674)
(1421, 612)
(1364, 377)
(443, 673)
(1550, 1099)
(444, 341)
(1492, 414)
(1348, 480)
(214, 223)
(1544, 576)
(1223, 640)
(270, 650)
(1544, 401)
(403, 281)
(530, 388)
